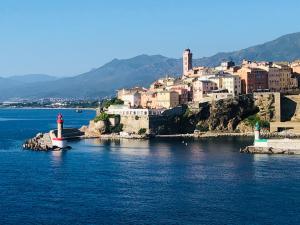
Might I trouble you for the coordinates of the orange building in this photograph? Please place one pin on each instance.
(253, 79)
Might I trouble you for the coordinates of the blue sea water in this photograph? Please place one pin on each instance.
(140, 181)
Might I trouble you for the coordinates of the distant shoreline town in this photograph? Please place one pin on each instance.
(226, 98)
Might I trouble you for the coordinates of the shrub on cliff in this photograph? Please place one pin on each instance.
(102, 117)
(114, 101)
(253, 119)
(116, 129)
(142, 131)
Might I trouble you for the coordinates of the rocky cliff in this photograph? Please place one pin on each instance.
(222, 116)
(225, 115)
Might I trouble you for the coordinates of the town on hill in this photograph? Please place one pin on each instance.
(227, 97)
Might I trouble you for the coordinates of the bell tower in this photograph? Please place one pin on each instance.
(187, 60)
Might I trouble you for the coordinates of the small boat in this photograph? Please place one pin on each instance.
(78, 110)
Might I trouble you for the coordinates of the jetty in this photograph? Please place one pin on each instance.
(53, 140)
(272, 146)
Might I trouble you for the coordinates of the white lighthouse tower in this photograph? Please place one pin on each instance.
(58, 140)
(257, 132)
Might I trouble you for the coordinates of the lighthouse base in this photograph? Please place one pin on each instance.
(59, 142)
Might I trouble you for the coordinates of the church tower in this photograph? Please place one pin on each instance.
(187, 59)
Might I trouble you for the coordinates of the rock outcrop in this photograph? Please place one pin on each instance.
(94, 129)
(266, 105)
(41, 142)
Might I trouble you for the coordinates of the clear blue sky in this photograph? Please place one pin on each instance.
(68, 37)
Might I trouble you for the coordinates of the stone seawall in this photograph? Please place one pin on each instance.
(269, 150)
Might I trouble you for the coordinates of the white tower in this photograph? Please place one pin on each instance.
(187, 60)
(257, 132)
(59, 141)
(60, 125)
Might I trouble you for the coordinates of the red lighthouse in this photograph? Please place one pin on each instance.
(59, 140)
(60, 125)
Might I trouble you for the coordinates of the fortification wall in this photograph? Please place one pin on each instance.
(291, 108)
(132, 123)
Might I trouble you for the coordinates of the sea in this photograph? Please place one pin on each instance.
(157, 181)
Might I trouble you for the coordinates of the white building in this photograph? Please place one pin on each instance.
(124, 110)
(132, 99)
(230, 82)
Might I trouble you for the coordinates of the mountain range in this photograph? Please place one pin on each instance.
(137, 71)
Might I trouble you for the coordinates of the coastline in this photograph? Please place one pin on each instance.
(28, 108)
(202, 135)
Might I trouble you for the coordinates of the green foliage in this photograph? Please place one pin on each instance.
(264, 124)
(142, 131)
(186, 113)
(252, 120)
(102, 117)
(114, 101)
(202, 127)
(116, 129)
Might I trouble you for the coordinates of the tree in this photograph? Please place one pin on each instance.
(102, 117)
(114, 101)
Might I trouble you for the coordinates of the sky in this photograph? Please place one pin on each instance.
(69, 37)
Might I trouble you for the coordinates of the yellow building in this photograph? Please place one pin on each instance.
(287, 82)
(167, 99)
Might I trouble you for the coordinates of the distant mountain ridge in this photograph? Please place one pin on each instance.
(137, 71)
(284, 48)
(32, 78)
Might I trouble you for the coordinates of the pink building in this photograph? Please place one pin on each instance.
(149, 99)
(201, 88)
(183, 94)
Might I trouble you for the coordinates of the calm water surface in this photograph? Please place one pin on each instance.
(140, 182)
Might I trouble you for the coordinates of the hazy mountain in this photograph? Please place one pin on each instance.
(32, 78)
(284, 48)
(103, 81)
(140, 70)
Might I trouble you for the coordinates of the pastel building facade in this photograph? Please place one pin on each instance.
(183, 93)
(287, 81)
(149, 99)
(229, 82)
(253, 79)
(201, 88)
(167, 99)
(132, 99)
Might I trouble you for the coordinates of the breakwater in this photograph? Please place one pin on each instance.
(43, 141)
(269, 150)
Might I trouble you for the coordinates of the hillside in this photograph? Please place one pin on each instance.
(103, 81)
(32, 78)
(140, 70)
(284, 48)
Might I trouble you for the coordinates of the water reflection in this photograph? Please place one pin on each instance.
(57, 157)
